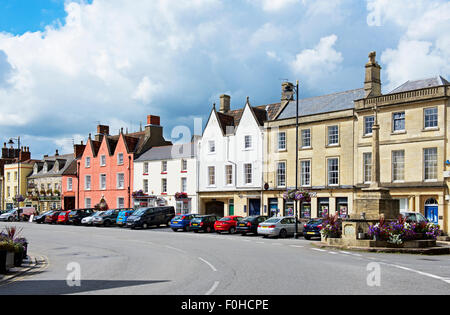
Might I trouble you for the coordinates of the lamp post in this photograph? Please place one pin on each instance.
(11, 142)
(296, 156)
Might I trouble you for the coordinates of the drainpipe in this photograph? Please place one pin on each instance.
(235, 167)
(78, 185)
(129, 181)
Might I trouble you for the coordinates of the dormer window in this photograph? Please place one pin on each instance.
(45, 170)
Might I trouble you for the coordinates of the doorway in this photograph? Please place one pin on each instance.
(254, 207)
(432, 210)
(216, 208)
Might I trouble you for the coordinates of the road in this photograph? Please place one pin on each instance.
(159, 261)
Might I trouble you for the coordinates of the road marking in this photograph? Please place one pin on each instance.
(426, 274)
(357, 255)
(346, 253)
(260, 243)
(214, 287)
(178, 250)
(296, 246)
(277, 244)
(208, 263)
(332, 253)
(318, 249)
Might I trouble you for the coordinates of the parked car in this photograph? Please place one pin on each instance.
(52, 217)
(88, 220)
(250, 224)
(75, 216)
(40, 218)
(203, 223)
(63, 217)
(414, 217)
(182, 222)
(280, 227)
(227, 224)
(106, 218)
(312, 228)
(155, 216)
(10, 216)
(123, 217)
(26, 213)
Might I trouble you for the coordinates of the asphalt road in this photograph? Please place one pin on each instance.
(159, 261)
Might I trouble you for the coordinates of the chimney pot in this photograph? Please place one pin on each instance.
(153, 120)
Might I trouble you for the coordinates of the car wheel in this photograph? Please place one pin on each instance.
(10, 219)
(145, 226)
(175, 230)
(106, 223)
(218, 232)
(232, 230)
(283, 233)
(244, 234)
(307, 238)
(195, 231)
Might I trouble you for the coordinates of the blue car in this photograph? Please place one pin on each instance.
(313, 228)
(182, 222)
(123, 217)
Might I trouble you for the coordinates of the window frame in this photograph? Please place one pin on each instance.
(329, 172)
(329, 136)
(394, 168)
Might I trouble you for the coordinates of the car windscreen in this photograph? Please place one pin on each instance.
(198, 219)
(318, 221)
(179, 217)
(139, 212)
(274, 220)
(226, 219)
(106, 213)
(73, 213)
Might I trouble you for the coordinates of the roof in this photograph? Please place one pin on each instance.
(169, 152)
(71, 169)
(57, 165)
(420, 84)
(322, 104)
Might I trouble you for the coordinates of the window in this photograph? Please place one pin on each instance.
(145, 186)
(248, 174)
(87, 202)
(8, 176)
(431, 117)
(367, 166)
(282, 141)
(183, 184)
(102, 181)
(305, 173)
(281, 174)
(333, 172)
(399, 122)
(88, 162)
(229, 174)
(15, 176)
(145, 168)
(164, 166)
(183, 165)
(8, 189)
(87, 182)
(333, 135)
(368, 125)
(120, 202)
(430, 164)
(120, 159)
(69, 184)
(398, 166)
(212, 147)
(248, 142)
(306, 138)
(103, 160)
(164, 186)
(211, 175)
(120, 181)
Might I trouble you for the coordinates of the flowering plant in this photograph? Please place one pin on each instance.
(181, 195)
(299, 195)
(332, 226)
(138, 193)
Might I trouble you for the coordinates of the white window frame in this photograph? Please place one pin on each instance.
(118, 181)
(433, 167)
(69, 184)
(366, 124)
(282, 141)
(248, 173)
(394, 120)
(163, 166)
(330, 172)
(184, 184)
(119, 206)
(163, 185)
(120, 159)
(145, 186)
(103, 184)
(87, 202)
(87, 162)
(281, 174)
(398, 167)
(434, 120)
(211, 146)
(367, 168)
(309, 138)
(146, 168)
(103, 160)
(334, 136)
(248, 142)
(305, 176)
(229, 175)
(184, 165)
(87, 183)
(211, 176)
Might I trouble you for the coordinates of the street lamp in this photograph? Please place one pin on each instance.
(11, 142)
(296, 88)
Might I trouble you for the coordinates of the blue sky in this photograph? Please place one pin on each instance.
(66, 65)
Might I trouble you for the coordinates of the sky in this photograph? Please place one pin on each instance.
(66, 66)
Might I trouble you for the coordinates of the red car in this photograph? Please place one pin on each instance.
(52, 217)
(227, 224)
(63, 217)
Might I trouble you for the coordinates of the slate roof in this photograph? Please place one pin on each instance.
(57, 165)
(420, 84)
(169, 152)
(322, 104)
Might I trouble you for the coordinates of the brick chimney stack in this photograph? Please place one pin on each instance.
(102, 130)
(78, 149)
(372, 82)
(225, 103)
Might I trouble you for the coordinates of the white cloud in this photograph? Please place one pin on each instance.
(274, 5)
(423, 49)
(323, 59)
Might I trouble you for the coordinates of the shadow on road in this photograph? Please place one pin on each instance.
(59, 287)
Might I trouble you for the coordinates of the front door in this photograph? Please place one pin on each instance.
(231, 208)
(432, 211)
(254, 207)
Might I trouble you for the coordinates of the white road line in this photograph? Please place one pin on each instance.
(177, 249)
(277, 244)
(296, 246)
(260, 243)
(214, 287)
(318, 249)
(332, 253)
(357, 255)
(208, 263)
(346, 253)
(426, 274)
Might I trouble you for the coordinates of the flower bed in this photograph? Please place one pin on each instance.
(331, 226)
(13, 248)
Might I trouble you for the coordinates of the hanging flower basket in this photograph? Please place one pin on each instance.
(139, 193)
(297, 195)
(181, 195)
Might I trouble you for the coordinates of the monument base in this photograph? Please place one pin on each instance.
(374, 203)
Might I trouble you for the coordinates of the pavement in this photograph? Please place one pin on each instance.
(96, 261)
(30, 266)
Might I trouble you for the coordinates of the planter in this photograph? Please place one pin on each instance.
(6, 261)
(18, 259)
(25, 251)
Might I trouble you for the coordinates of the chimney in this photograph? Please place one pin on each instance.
(225, 102)
(57, 152)
(372, 83)
(153, 120)
(4, 151)
(287, 91)
(24, 154)
(78, 149)
(102, 130)
(154, 130)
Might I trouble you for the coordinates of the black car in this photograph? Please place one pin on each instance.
(75, 216)
(313, 228)
(250, 224)
(40, 218)
(204, 223)
(155, 216)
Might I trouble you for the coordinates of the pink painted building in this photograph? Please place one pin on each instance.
(105, 169)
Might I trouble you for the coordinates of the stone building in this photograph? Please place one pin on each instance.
(45, 182)
(335, 152)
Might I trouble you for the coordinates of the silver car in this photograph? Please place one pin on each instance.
(89, 220)
(279, 226)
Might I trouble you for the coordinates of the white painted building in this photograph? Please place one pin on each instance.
(167, 175)
(231, 160)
